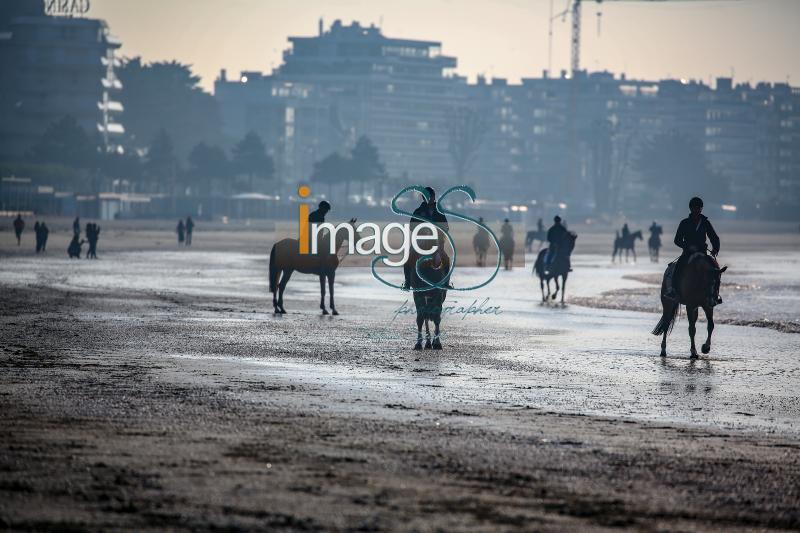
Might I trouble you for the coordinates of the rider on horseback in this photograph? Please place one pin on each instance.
(691, 238)
(429, 210)
(555, 236)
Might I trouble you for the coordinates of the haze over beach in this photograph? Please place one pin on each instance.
(391, 266)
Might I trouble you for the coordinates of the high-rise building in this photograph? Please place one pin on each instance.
(53, 66)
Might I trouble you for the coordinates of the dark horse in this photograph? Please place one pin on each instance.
(559, 267)
(480, 244)
(698, 286)
(535, 235)
(627, 244)
(285, 258)
(654, 244)
(429, 302)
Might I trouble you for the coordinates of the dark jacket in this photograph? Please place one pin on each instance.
(316, 217)
(691, 235)
(433, 215)
(555, 235)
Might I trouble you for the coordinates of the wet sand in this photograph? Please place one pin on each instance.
(159, 391)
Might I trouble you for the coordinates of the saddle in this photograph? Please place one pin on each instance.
(669, 273)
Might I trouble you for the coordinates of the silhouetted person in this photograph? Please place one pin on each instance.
(626, 233)
(539, 226)
(691, 238)
(317, 216)
(76, 226)
(555, 236)
(189, 230)
(37, 230)
(19, 225)
(92, 235)
(507, 230)
(74, 248)
(180, 231)
(429, 210)
(45, 233)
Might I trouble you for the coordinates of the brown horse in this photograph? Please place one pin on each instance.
(285, 258)
(698, 287)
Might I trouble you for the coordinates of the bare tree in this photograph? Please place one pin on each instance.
(466, 128)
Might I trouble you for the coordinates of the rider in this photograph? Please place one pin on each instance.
(428, 210)
(555, 236)
(626, 233)
(691, 238)
(318, 215)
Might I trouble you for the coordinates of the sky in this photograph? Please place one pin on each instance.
(751, 40)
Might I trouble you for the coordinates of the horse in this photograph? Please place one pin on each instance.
(627, 244)
(535, 235)
(507, 250)
(429, 302)
(698, 287)
(654, 244)
(480, 244)
(285, 258)
(559, 267)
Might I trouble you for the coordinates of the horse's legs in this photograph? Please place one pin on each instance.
(563, 287)
(282, 287)
(427, 334)
(691, 312)
(322, 294)
(709, 311)
(277, 290)
(558, 287)
(541, 286)
(437, 344)
(331, 277)
(418, 345)
(633, 251)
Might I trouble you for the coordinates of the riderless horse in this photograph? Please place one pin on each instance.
(285, 258)
(626, 243)
(698, 287)
(560, 266)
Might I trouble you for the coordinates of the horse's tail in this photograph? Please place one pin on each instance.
(273, 271)
(668, 317)
(538, 266)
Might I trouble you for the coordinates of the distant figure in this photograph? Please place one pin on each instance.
(560, 265)
(189, 230)
(37, 230)
(507, 243)
(626, 233)
(92, 234)
(74, 248)
(654, 242)
(627, 242)
(480, 244)
(538, 235)
(45, 231)
(76, 226)
(555, 238)
(19, 225)
(180, 231)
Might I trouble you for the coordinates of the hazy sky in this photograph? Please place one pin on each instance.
(753, 39)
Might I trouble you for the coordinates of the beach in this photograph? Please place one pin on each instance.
(155, 388)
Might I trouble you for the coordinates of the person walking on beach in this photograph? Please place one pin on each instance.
(92, 235)
(189, 230)
(180, 231)
(45, 231)
(19, 225)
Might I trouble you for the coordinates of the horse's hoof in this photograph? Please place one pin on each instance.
(334, 311)
(428, 344)
(693, 355)
(705, 348)
(282, 310)
(554, 297)
(324, 311)
(436, 344)
(663, 353)
(418, 346)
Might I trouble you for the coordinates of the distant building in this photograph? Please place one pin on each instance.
(52, 66)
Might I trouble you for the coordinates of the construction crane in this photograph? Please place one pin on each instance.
(574, 10)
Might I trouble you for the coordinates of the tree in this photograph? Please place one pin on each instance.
(331, 170)
(466, 129)
(250, 158)
(160, 163)
(166, 95)
(207, 163)
(65, 143)
(677, 164)
(599, 139)
(365, 163)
